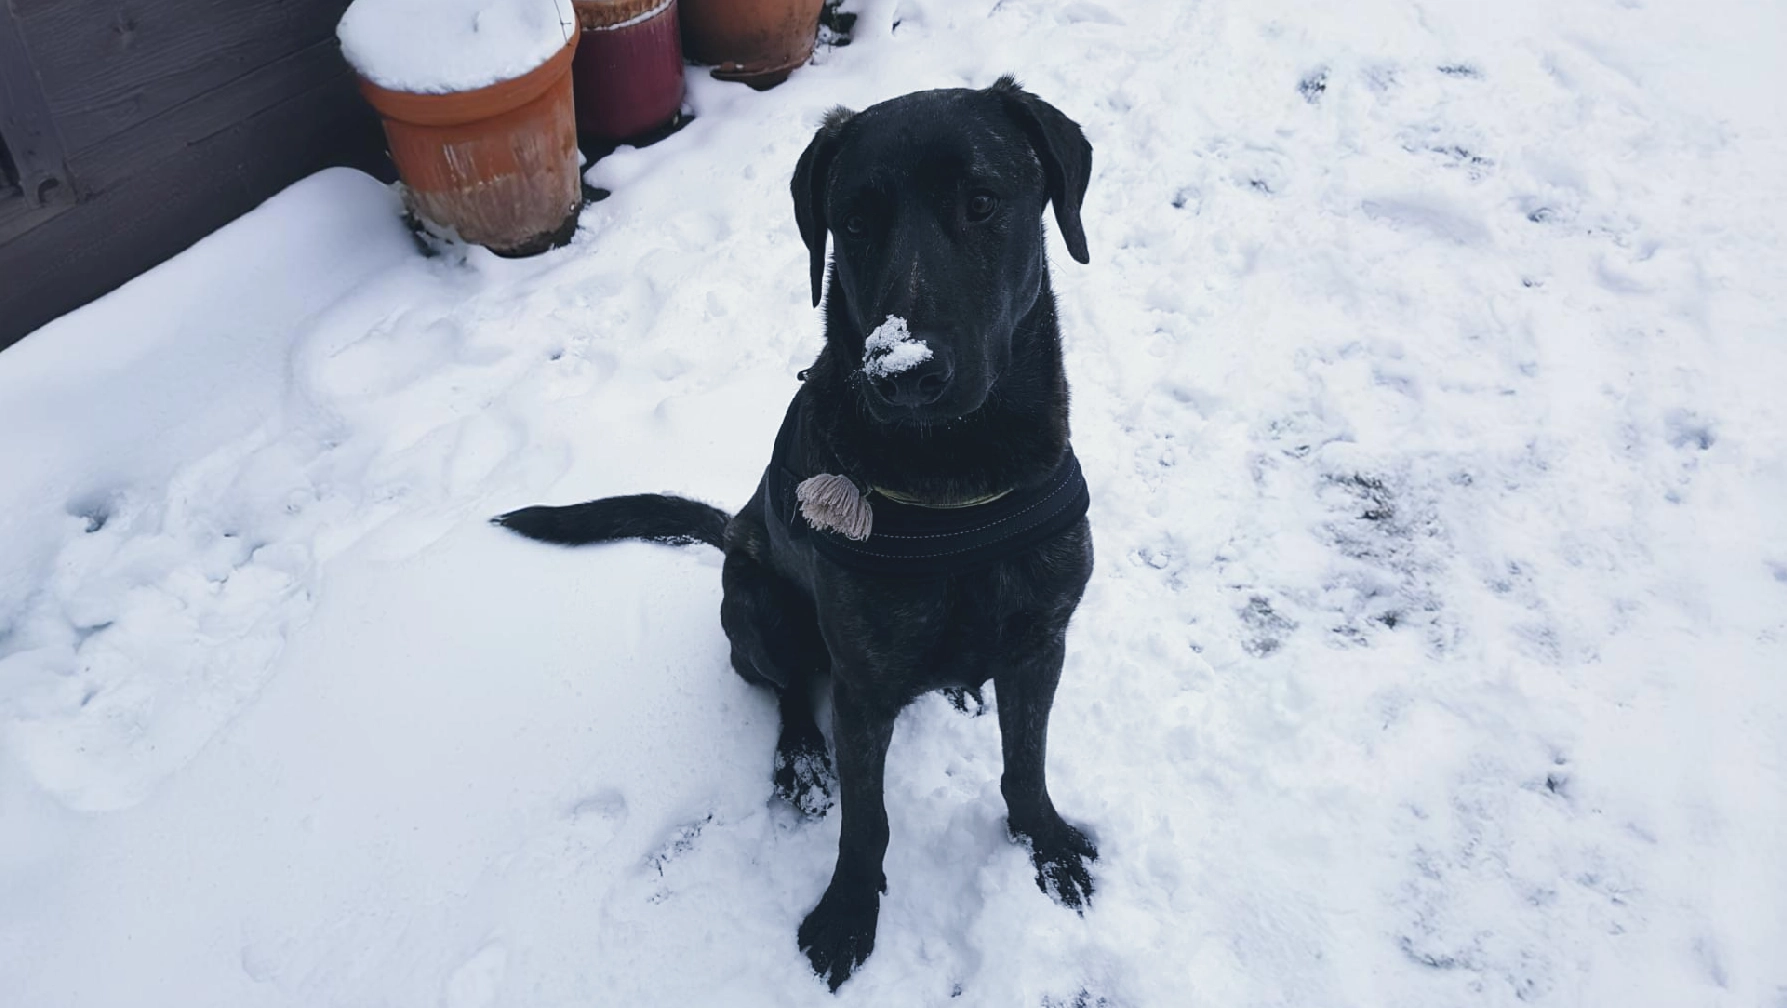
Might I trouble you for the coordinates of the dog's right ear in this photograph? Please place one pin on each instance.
(1065, 154)
(811, 176)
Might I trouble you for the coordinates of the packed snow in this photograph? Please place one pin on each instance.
(890, 349)
(443, 46)
(1427, 376)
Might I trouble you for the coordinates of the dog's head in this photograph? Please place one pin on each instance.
(934, 205)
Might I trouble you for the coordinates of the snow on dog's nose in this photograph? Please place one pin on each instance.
(902, 369)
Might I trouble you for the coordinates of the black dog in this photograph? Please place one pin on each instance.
(936, 414)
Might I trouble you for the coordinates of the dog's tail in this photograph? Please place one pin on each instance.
(659, 518)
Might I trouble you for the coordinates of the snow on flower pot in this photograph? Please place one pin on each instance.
(476, 100)
(759, 42)
(629, 67)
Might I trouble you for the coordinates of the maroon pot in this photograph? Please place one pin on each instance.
(629, 67)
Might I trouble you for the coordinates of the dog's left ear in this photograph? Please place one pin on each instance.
(811, 174)
(1066, 157)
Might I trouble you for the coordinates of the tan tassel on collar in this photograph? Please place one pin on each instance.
(833, 502)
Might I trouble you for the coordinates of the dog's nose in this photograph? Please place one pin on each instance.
(919, 385)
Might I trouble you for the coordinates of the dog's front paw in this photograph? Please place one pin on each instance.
(840, 933)
(1061, 856)
(804, 779)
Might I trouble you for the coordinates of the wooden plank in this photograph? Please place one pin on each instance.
(19, 215)
(149, 142)
(29, 8)
(144, 219)
(32, 139)
(158, 54)
(143, 146)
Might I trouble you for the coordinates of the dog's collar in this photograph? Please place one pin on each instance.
(901, 498)
(912, 539)
(904, 498)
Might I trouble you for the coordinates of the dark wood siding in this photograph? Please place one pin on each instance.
(136, 127)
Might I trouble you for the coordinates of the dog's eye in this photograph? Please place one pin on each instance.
(856, 225)
(981, 206)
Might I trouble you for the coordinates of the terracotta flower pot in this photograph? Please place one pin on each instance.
(629, 67)
(759, 42)
(498, 165)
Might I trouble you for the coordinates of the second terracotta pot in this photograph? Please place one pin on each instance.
(759, 42)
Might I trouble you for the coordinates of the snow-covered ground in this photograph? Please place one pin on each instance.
(1431, 379)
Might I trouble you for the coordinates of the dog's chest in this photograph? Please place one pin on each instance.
(919, 636)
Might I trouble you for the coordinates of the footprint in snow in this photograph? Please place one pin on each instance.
(477, 980)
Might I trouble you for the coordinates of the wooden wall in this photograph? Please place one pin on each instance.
(134, 128)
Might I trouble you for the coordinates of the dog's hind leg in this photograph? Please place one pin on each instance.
(966, 699)
(774, 633)
(1026, 691)
(803, 772)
